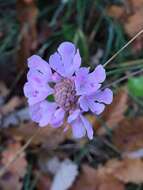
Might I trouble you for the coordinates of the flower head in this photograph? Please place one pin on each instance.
(75, 90)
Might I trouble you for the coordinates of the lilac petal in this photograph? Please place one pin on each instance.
(66, 61)
(47, 109)
(88, 127)
(83, 103)
(37, 63)
(78, 128)
(81, 80)
(105, 96)
(76, 61)
(88, 102)
(57, 118)
(67, 51)
(34, 75)
(34, 112)
(83, 84)
(56, 77)
(35, 92)
(74, 66)
(80, 125)
(42, 112)
(28, 90)
(82, 73)
(73, 115)
(77, 125)
(98, 75)
(56, 64)
(97, 108)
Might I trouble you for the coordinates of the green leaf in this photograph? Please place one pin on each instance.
(135, 86)
(50, 98)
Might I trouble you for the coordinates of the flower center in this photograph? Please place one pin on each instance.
(65, 94)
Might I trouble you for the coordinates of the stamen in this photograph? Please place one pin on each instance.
(65, 94)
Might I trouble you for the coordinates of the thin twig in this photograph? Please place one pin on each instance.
(123, 78)
(120, 50)
(18, 153)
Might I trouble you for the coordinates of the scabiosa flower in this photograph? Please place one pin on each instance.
(74, 89)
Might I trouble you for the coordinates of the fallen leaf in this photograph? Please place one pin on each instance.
(129, 135)
(130, 17)
(126, 170)
(106, 181)
(116, 11)
(134, 24)
(137, 4)
(49, 137)
(113, 175)
(96, 179)
(18, 167)
(86, 180)
(113, 113)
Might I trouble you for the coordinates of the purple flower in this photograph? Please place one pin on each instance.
(75, 90)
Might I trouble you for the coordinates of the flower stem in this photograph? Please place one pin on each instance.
(123, 78)
(120, 50)
(128, 63)
(123, 69)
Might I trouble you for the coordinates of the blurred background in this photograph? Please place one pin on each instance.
(53, 160)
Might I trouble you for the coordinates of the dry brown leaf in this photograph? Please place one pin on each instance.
(92, 179)
(129, 135)
(137, 5)
(116, 11)
(11, 105)
(134, 24)
(130, 16)
(113, 175)
(49, 137)
(107, 181)
(114, 113)
(127, 170)
(12, 179)
(19, 166)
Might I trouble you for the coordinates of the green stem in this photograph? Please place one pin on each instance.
(123, 78)
(122, 69)
(129, 63)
